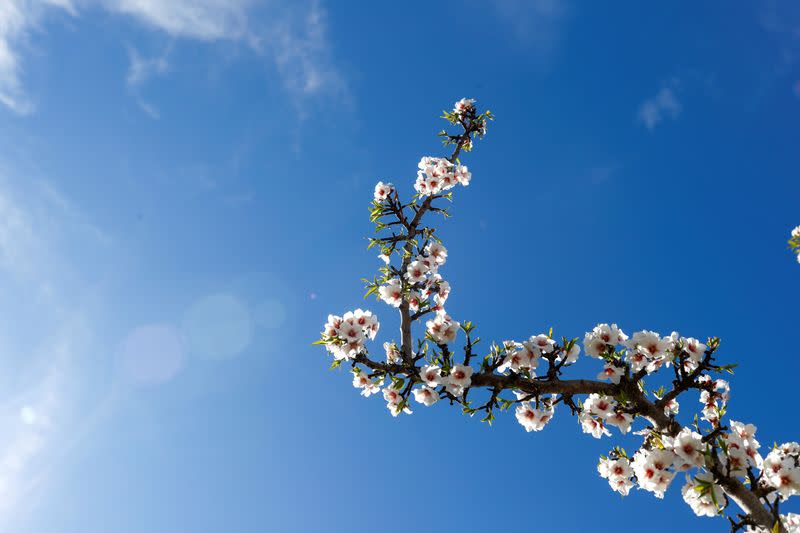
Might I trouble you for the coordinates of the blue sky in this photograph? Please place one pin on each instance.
(183, 199)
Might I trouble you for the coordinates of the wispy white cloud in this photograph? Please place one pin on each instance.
(292, 34)
(538, 24)
(37, 412)
(18, 20)
(142, 69)
(664, 105)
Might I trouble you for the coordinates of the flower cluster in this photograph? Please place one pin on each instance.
(782, 469)
(464, 106)
(382, 191)
(794, 242)
(618, 473)
(722, 463)
(533, 416)
(344, 336)
(437, 174)
(598, 412)
(714, 398)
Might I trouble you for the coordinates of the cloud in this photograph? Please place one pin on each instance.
(537, 24)
(47, 339)
(664, 105)
(142, 69)
(18, 20)
(292, 34)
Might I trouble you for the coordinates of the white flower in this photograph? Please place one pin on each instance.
(463, 106)
(611, 372)
(599, 405)
(416, 271)
(621, 420)
(437, 252)
(463, 175)
(650, 467)
(362, 381)
(702, 495)
(426, 396)
(460, 378)
(366, 320)
(436, 175)
(516, 360)
(593, 426)
(672, 407)
(385, 258)
(392, 293)
(414, 300)
(796, 232)
(442, 329)
(689, 446)
(603, 338)
(618, 473)
(694, 348)
(382, 191)
(533, 419)
(394, 400)
(431, 375)
(650, 344)
(543, 343)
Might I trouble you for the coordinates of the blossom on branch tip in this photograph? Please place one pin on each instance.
(463, 106)
(344, 336)
(382, 191)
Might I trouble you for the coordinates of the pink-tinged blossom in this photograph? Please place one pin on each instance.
(442, 329)
(426, 396)
(460, 378)
(703, 495)
(532, 418)
(689, 447)
(431, 375)
(592, 426)
(382, 191)
(391, 293)
(618, 473)
(463, 106)
(611, 372)
(437, 252)
(362, 381)
(394, 400)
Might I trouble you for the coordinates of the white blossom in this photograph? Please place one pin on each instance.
(532, 418)
(363, 382)
(382, 191)
(703, 495)
(392, 293)
(426, 395)
(460, 378)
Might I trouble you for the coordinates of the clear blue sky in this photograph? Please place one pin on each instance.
(183, 199)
